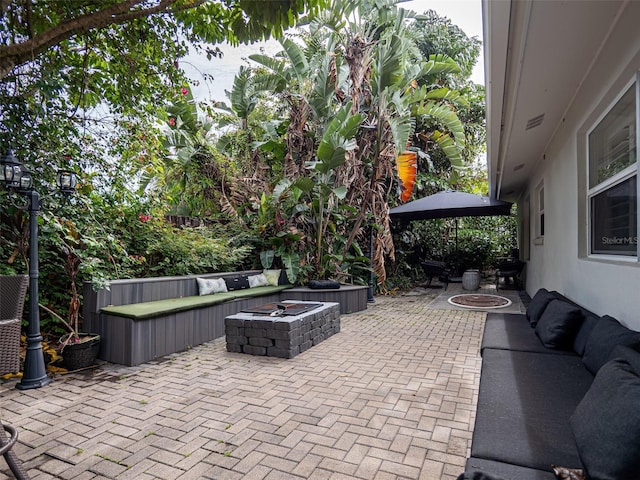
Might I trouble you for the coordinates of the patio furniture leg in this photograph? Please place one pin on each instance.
(6, 444)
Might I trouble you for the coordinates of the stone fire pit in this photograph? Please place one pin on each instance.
(281, 335)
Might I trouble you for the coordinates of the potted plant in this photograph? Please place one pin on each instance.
(78, 350)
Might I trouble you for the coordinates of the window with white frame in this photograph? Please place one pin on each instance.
(613, 173)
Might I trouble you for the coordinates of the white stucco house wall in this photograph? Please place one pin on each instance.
(563, 109)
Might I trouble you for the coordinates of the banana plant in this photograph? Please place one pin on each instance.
(398, 95)
(359, 55)
(337, 140)
(277, 218)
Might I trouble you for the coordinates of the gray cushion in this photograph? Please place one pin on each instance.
(507, 470)
(477, 476)
(581, 338)
(537, 305)
(559, 324)
(511, 331)
(605, 335)
(524, 404)
(606, 423)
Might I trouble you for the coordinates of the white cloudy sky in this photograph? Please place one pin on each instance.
(466, 14)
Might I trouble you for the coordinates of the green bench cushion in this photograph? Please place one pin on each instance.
(156, 308)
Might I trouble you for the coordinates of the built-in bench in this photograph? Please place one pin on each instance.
(352, 298)
(142, 319)
(146, 318)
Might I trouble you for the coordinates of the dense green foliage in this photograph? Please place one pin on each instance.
(295, 172)
(346, 97)
(83, 86)
(97, 238)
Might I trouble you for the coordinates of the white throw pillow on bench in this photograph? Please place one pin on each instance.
(272, 276)
(207, 286)
(257, 281)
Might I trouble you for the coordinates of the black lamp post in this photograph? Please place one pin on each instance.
(370, 298)
(16, 177)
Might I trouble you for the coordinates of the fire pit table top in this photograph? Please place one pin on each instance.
(286, 308)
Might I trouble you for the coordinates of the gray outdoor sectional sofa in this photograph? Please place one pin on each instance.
(539, 404)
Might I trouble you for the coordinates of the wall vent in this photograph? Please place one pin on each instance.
(534, 122)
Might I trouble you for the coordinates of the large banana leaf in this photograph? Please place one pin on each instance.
(241, 97)
(388, 69)
(323, 90)
(449, 95)
(450, 148)
(268, 82)
(279, 189)
(443, 114)
(334, 152)
(266, 258)
(291, 262)
(303, 183)
(276, 66)
(338, 139)
(402, 126)
(334, 17)
(297, 58)
(439, 64)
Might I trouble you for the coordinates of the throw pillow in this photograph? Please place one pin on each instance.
(207, 286)
(323, 284)
(606, 423)
(272, 276)
(257, 280)
(559, 324)
(580, 342)
(238, 282)
(538, 303)
(605, 335)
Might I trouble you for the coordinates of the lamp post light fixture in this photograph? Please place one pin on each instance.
(16, 177)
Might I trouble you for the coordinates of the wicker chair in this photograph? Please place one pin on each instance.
(13, 289)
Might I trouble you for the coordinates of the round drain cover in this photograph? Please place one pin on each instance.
(479, 300)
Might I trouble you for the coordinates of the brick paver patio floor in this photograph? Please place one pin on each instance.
(391, 397)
